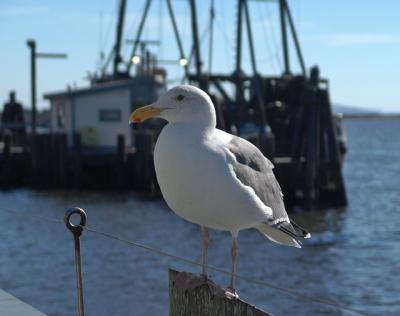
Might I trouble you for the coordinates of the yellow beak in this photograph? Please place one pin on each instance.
(144, 113)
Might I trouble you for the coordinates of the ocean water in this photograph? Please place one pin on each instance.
(352, 257)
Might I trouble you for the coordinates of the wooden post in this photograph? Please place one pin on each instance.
(45, 161)
(7, 146)
(121, 157)
(62, 152)
(38, 152)
(189, 295)
(121, 147)
(5, 166)
(339, 197)
(77, 143)
(144, 169)
(310, 185)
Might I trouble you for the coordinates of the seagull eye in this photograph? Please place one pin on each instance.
(180, 97)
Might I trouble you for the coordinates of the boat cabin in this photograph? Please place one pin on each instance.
(100, 112)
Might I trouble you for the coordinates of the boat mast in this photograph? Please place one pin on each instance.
(138, 34)
(196, 45)
(282, 12)
(295, 39)
(120, 27)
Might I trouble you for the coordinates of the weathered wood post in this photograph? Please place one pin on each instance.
(7, 145)
(121, 157)
(60, 159)
(310, 185)
(77, 143)
(121, 147)
(48, 180)
(6, 160)
(189, 295)
(41, 169)
(144, 170)
(339, 197)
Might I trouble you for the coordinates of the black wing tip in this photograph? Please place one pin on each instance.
(293, 230)
(304, 234)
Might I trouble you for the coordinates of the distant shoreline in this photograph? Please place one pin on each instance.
(371, 116)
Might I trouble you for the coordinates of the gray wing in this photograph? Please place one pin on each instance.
(255, 170)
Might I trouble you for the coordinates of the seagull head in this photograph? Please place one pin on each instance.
(184, 103)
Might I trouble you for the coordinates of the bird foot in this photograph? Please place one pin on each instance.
(185, 281)
(230, 293)
(188, 281)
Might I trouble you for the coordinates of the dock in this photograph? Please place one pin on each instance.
(51, 163)
(12, 306)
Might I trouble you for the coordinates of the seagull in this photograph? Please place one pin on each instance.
(212, 178)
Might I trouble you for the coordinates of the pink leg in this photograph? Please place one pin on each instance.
(234, 249)
(206, 241)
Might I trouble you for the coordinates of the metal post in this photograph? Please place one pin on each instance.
(32, 46)
(284, 36)
(76, 231)
(120, 25)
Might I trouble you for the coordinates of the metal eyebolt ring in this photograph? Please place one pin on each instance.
(75, 229)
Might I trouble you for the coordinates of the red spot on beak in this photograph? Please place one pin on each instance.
(136, 120)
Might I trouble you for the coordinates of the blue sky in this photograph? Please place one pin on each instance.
(356, 43)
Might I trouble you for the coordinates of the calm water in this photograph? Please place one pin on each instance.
(353, 256)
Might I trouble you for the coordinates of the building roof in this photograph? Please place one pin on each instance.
(103, 87)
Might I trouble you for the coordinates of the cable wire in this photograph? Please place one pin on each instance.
(297, 294)
(305, 297)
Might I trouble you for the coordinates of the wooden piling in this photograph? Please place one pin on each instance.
(121, 160)
(77, 165)
(6, 161)
(60, 159)
(41, 161)
(7, 145)
(190, 295)
(144, 167)
(338, 197)
(310, 185)
(121, 147)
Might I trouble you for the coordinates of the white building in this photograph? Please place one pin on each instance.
(100, 112)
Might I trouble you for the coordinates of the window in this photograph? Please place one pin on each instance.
(108, 115)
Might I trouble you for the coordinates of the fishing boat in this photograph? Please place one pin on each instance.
(287, 115)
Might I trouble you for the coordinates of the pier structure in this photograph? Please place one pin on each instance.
(12, 306)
